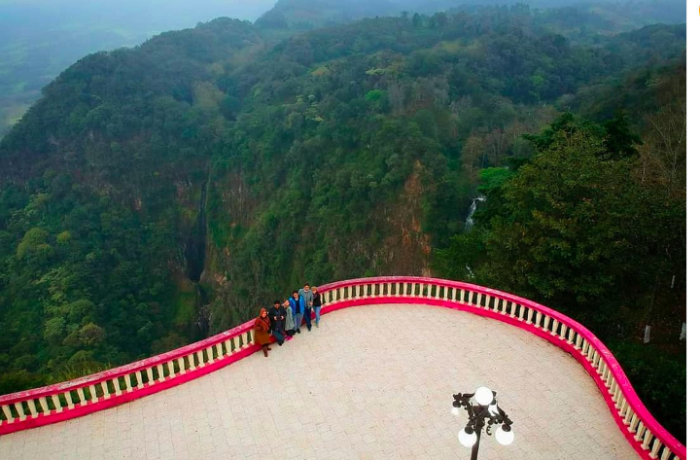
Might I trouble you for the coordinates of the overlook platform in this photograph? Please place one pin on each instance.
(373, 382)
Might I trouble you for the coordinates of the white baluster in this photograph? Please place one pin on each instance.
(81, 396)
(555, 326)
(538, 319)
(521, 313)
(44, 405)
(117, 386)
(57, 404)
(105, 390)
(478, 299)
(32, 407)
(190, 361)
(641, 429)
(623, 405)
(8, 414)
(20, 411)
(219, 351)
(161, 371)
(591, 353)
(227, 344)
(149, 375)
(633, 423)
(471, 296)
(93, 394)
(655, 447)
(625, 412)
(547, 320)
(666, 454)
(181, 365)
(529, 315)
(127, 381)
(139, 380)
(615, 391)
(562, 332)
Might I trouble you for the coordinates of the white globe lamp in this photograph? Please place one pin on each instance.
(466, 439)
(483, 396)
(505, 437)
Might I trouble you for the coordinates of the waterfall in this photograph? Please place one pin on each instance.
(195, 258)
(469, 223)
(196, 246)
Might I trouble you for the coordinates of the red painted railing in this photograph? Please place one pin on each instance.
(78, 397)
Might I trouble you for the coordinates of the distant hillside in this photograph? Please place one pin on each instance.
(607, 16)
(41, 38)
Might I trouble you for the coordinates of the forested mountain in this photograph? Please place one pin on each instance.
(41, 38)
(600, 16)
(159, 194)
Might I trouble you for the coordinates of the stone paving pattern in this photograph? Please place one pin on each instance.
(373, 382)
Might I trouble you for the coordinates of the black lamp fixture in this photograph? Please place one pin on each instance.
(482, 408)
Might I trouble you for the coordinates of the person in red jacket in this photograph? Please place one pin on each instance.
(261, 328)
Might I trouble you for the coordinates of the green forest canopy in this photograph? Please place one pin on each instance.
(159, 194)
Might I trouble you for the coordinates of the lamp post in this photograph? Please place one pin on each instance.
(483, 410)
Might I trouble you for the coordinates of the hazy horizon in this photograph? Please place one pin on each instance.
(41, 38)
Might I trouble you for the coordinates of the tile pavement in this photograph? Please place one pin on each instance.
(373, 382)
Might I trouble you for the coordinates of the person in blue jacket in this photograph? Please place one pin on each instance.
(298, 308)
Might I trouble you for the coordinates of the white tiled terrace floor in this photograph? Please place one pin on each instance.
(373, 382)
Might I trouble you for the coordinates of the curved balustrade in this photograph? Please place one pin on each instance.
(95, 392)
(66, 400)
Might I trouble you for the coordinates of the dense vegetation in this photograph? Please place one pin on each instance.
(41, 38)
(156, 195)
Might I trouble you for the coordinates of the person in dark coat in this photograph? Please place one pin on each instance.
(261, 328)
(317, 303)
(277, 316)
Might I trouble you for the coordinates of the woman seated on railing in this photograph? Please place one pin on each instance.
(262, 331)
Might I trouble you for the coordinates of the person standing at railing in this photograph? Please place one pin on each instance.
(308, 298)
(277, 315)
(317, 303)
(289, 327)
(261, 329)
(298, 307)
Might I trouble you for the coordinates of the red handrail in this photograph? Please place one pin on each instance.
(116, 372)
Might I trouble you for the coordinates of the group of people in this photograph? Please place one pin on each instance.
(283, 320)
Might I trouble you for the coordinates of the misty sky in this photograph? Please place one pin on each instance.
(136, 15)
